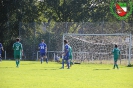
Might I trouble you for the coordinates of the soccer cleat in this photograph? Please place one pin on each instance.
(41, 61)
(47, 61)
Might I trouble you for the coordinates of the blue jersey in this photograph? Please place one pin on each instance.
(66, 50)
(42, 47)
(0, 48)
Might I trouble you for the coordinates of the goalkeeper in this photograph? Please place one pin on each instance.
(116, 53)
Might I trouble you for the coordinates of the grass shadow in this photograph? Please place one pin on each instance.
(6, 67)
(32, 63)
(101, 69)
(28, 64)
(48, 69)
(129, 65)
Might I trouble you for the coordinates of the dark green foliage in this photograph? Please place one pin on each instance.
(15, 12)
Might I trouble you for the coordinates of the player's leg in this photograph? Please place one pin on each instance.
(114, 64)
(0, 57)
(45, 56)
(68, 63)
(63, 62)
(71, 63)
(41, 60)
(19, 56)
(15, 57)
(17, 60)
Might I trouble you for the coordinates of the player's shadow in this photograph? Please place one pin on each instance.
(101, 69)
(6, 67)
(24, 64)
(47, 69)
(28, 63)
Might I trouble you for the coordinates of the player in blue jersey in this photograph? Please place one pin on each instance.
(66, 55)
(1, 48)
(43, 51)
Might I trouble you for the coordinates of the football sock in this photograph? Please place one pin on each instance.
(41, 60)
(18, 62)
(114, 67)
(117, 66)
(68, 64)
(62, 63)
(46, 60)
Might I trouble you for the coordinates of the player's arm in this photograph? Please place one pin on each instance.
(2, 48)
(112, 51)
(46, 49)
(119, 54)
(22, 49)
(13, 47)
(66, 51)
(39, 46)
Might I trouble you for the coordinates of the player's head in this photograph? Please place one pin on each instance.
(42, 40)
(115, 46)
(17, 39)
(65, 41)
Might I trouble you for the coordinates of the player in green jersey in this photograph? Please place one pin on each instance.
(116, 53)
(18, 51)
(70, 55)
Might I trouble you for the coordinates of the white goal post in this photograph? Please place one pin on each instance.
(98, 46)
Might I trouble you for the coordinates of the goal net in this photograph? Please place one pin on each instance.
(97, 48)
(51, 55)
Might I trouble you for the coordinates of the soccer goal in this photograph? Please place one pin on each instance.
(97, 48)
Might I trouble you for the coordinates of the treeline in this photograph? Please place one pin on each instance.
(14, 13)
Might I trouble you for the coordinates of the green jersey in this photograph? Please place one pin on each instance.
(116, 53)
(17, 47)
(70, 52)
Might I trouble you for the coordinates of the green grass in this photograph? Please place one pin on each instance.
(32, 74)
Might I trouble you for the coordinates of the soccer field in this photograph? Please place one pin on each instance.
(32, 74)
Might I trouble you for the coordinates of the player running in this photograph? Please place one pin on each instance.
(66, 55)
(43, 51)
(18, 51)
(1, 48)
(116, 53)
